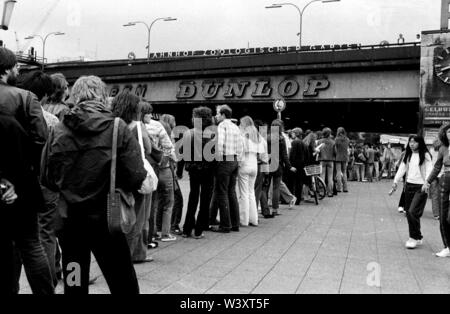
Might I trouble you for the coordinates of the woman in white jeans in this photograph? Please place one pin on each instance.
(248, 170)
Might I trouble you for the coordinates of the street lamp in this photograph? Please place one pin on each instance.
(300, 12)
(8, 8)
(44, 40)
(149, 29)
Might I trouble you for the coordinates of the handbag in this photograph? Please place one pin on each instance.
(150, 183)
(120, 208)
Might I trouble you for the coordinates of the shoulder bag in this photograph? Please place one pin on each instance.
(150, 183)
(120, 211)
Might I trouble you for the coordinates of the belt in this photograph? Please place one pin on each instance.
(230, 157)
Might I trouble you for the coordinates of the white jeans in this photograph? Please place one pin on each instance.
(247, 200)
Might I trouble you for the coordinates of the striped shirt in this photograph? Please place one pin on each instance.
(230, 142)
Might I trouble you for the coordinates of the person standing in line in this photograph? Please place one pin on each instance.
(360, 161)
(299, 157)
(201, 173)
(177, 211)
(443, 164)
(56, 102)
(326, 157)
(40, 84)
(229, 151)
(22, 105)
(19, 203)
(248, 171)
(77, 165)
(166, 188)
(161, 143)
(342, 159)
(127, 106)
(279, 160)
(376, 165)
(417, 167)
(263, 172)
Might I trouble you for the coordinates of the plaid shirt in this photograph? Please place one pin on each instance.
(230, 141)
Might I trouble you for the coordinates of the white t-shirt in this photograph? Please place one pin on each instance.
(415, 176)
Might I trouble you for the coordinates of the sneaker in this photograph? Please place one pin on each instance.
(292, 203)
(198, 237)
(401, 210)
(444, 253)
(412, 244)
(436, 217)
(168, 238)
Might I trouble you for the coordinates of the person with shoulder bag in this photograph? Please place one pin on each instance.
(80, 165)
(127, 107)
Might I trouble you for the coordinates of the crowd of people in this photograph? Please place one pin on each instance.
(56, 172)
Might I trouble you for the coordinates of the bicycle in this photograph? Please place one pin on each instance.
(318, 187)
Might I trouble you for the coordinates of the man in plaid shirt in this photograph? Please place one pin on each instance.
(230, 147)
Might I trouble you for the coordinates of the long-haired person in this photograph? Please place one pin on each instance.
(78, 162)
(443, 162)
(417, 166)
(248, 171)
(201, 173)
(177, 211)
(56, 103)
(127, 107)
(166, 188)
(342, 159)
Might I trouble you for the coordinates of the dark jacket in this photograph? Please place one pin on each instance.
(25, 107)
(299, 156)
(194, 158)
(342, 143)
(279, 157)
(328, 151)
(77, 159)
(16, 167)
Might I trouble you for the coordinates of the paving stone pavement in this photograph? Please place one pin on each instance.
(350, 244)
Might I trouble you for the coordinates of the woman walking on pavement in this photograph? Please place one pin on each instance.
(443, 162)
(417, 166)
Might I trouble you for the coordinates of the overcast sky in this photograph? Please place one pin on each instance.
(94, 27)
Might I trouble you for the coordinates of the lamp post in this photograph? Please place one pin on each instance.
(44, 41)
(8, 8)
(300, 12)
(149, 29)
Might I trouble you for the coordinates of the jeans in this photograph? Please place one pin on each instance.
(327, 175)
(19, 238)
(247, 199)
(201, 184)
(387, 165)
(276, 183)
(435, 192)
(47, 229)
(341, 175)
(226, 179)
(415, 201)
(369, 171)
(177, 211)
(137, 240)
(261, 193)
(165, 201)
(444, 214)
(359, 170)
(377, 170)
(85, 233)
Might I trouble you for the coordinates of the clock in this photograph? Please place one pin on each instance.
(442, 65)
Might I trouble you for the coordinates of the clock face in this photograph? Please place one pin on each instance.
(442, 65)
